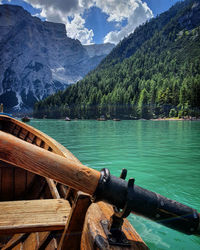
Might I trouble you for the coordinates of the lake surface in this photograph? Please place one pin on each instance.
(162, 156)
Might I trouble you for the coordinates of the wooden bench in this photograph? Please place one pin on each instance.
(33, 216)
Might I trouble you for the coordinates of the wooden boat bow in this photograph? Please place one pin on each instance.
(108, 188)
(25, 150)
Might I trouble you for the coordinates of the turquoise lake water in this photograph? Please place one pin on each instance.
(162, 156)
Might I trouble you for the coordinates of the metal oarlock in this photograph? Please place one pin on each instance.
(131, 198)
(113, 228)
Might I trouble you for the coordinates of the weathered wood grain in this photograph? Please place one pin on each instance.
(36, 188)
(93, 236)
(47, 164)
(15, 240)
(18, 247)
(33, 216)
(31, 243)
(52, 245)
(19, 182)
(7, 185)
(71, 237)
(9, 124)
(53, 189)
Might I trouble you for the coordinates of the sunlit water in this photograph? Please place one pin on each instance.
(163, 156)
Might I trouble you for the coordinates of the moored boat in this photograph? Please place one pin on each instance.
(25, 119)
(40, 213)
(102, 118)
(67, 119)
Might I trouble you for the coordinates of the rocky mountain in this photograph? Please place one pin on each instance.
(154, 72)
(38, 58)
(99, 49)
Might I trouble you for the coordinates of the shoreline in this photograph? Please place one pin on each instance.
(176, 119)
(141, 119)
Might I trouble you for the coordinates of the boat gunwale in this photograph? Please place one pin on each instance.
(56, 146)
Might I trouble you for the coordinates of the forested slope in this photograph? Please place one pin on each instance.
(155, 72)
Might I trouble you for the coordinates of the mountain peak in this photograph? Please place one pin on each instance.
(11, 11)
(38, 58)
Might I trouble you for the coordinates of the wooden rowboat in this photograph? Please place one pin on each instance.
(25, 119)
(40, 213)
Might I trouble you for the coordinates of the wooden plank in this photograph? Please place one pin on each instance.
(7, 184)
(23, 134)
(63, 190)
(37, 141)
(46, 146)
(20, 129)
(35, 241)
(71, 236)
(8, 127)
(36, 188)
(42, 236)
(16, 130)
(15, 240)
(19, 182)
(46, 194)
(31, 243)
(29, 179)
(52, 245)
(31, 136)
(18, 247)
(0, 177)
(53, 189)
(93, 236)
(33, 216)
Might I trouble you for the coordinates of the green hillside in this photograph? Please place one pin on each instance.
(155, 72)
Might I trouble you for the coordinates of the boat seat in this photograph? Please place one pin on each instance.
(33, 216)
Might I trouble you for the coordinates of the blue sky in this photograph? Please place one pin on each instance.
(96, 21)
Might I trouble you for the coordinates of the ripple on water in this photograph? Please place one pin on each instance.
(162, 156)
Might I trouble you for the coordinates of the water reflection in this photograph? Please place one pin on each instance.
(163, 156)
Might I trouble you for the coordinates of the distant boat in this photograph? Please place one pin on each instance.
(116, 119)
(101, 118)
(26, 119)
(67, 119)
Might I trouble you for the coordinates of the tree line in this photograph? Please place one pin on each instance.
(159, 78)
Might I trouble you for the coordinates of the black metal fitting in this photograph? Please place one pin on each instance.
(111, 189)
(114, 235)
(131, 197)
(113, 228)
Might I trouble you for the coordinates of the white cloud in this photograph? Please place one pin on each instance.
(76, 29)
(117, 10)
(71, 12)
(139, 15)
(68, 12)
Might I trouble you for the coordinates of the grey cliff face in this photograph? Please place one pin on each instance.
(37, 58)
(192, 18)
